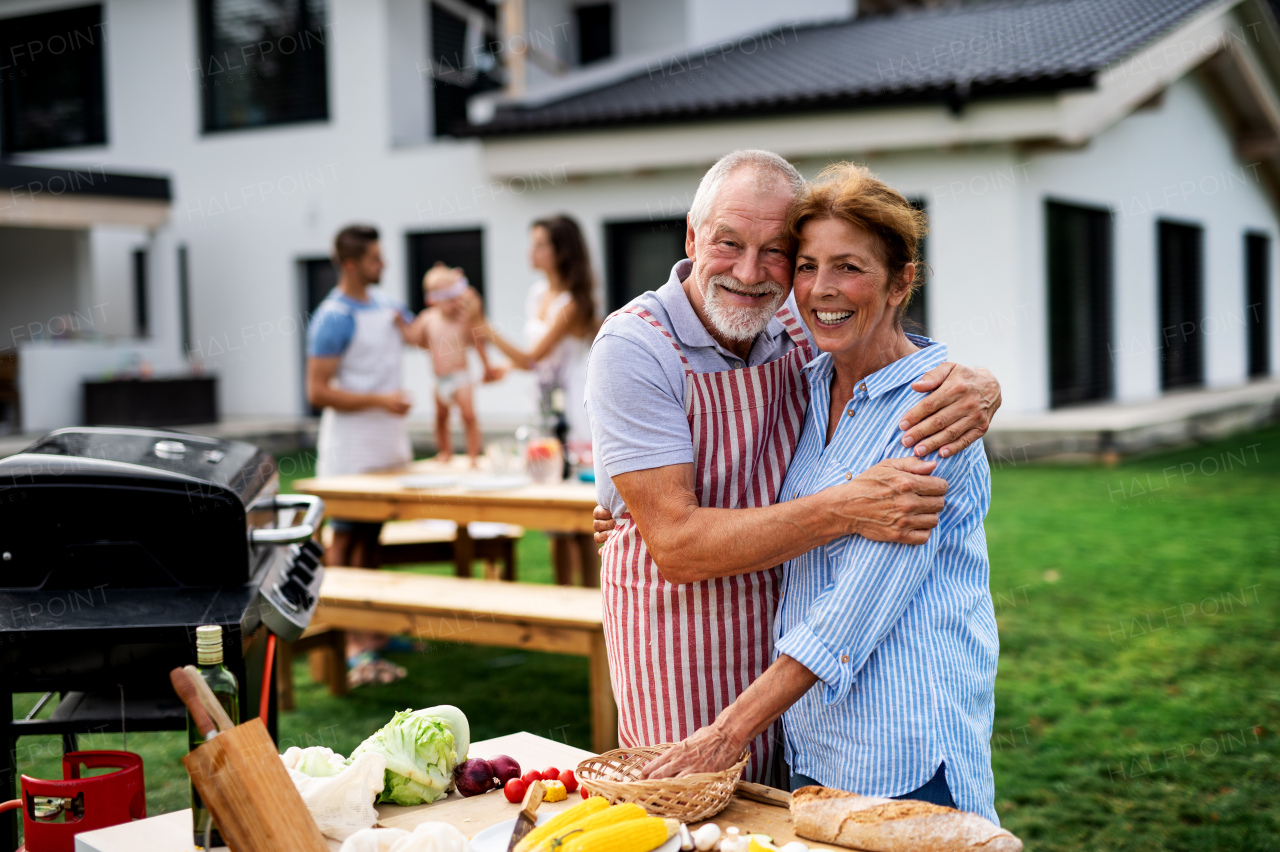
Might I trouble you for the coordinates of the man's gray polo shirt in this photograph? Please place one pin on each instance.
(636, 384)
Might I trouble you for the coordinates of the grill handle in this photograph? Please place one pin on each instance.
(289, 535)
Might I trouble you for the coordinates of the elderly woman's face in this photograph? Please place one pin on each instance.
(842, 286)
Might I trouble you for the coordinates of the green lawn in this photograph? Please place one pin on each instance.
(1137, 701)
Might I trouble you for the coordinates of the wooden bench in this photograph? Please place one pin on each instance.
(557, 619)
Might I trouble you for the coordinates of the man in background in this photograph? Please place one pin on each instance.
(354, 344)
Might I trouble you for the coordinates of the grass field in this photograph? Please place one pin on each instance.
(1137, 703)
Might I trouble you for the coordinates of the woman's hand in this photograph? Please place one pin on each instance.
(472, 305)
(957, 412)
(709, 749)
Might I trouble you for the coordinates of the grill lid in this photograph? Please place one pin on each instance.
(112, 453)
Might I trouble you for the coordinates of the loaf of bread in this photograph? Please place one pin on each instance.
(893, 825)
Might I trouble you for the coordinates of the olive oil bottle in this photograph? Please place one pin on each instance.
(227, 691)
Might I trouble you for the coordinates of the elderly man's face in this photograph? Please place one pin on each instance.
(740, 265)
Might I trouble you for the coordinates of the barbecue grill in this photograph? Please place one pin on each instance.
(114, 545)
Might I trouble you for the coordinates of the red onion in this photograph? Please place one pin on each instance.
(505, 768)
(474, 777)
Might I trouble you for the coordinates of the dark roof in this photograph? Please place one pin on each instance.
(951, 55)
(39, 181)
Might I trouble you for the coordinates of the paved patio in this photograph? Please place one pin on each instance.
(1085, 432)
(1110, 430)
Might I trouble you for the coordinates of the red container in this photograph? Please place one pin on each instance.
(88, 803)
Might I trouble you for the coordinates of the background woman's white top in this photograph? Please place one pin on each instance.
(565, 366)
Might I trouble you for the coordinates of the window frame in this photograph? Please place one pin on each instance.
(207, 53)
(96, 93)
(1193, 377)
(1099, 374)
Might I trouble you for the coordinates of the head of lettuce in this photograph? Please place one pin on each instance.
(421, 748)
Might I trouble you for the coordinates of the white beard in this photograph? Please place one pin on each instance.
(737, 323)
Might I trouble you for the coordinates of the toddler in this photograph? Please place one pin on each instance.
(447, 322)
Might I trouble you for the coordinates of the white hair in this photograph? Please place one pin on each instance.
(769, 169)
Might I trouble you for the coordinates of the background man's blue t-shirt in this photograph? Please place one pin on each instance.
(334, 323)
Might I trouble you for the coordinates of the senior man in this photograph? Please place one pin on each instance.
(696, 402)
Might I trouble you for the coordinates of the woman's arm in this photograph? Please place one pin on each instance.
(719, 745)
(525, 360)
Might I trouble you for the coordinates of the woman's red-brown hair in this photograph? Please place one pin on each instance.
(850, 192)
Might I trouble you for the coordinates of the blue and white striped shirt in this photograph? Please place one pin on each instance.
(903, 637)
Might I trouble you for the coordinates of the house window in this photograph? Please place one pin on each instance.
(916, 319)
(1257, 261)
(452, 248)
(262, 62)
(595, 32)
(184, 299)
(141, 326)
(51, 80)
(460, 59)
(1181, 259)
(318, 277)
(639, 256)
(1078, 253)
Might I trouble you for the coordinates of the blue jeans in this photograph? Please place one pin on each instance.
(935, 791)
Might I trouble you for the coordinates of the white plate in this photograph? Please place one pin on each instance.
(495, 483)
(496, 837)
(428, 480)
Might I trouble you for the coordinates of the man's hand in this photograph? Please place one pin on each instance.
(895, 501)
(708, 749)
(603, 524)
(397, 402)
(957, 412)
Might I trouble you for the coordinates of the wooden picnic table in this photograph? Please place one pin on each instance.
(380, 497)
(376, 497)
(557, 619)
(473, 815)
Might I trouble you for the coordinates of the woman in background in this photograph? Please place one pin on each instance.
(560, 322)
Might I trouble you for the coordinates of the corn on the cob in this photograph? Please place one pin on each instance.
(565, 819)
(602, 819)
(633, 835)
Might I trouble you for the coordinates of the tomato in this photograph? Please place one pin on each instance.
(569, 780)
(551, 774)
(584, 792)
(531, 776)
(515, 790)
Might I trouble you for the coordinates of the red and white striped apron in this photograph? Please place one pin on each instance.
(679, 654)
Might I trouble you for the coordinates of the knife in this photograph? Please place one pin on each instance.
(528, 816)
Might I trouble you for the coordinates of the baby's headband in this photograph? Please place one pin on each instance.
(453, 291)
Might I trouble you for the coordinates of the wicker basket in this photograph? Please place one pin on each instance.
(691, 798)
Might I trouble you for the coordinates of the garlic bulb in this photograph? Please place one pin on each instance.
(705, 838)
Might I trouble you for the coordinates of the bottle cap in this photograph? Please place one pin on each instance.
(209, 644)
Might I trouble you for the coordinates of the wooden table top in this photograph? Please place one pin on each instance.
(473, 815)
(384, 497)
(392, 591)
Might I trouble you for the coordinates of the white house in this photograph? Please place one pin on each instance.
(1101, 176)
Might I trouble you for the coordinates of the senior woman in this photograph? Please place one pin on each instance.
(885, 653)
